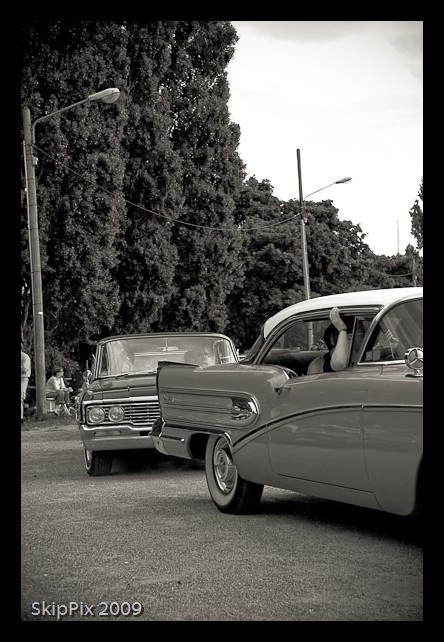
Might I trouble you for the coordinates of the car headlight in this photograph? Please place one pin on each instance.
(96, 414)
(116, 413)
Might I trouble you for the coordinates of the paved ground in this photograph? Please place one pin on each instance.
(149, 534)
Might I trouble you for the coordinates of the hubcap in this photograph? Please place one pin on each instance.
(225, 471)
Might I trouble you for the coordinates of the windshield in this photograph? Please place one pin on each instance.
(142, 354)
(400, 329)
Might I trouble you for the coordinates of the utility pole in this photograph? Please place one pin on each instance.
(36, 270)
(305, 268)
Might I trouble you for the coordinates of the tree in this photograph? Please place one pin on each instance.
(136, 199)
(146, 223)
(152, 184)
(205, 141)
(272, 261)
(336, 249)
(417, 219)
(79, 176)
(389, 271)
(415, 262)
(338, 257)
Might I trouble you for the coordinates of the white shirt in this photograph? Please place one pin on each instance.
(25, 365)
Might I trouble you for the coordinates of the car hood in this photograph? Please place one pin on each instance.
(122, 387)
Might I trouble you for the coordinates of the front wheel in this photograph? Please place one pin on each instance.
(97, 464)
(228, 490)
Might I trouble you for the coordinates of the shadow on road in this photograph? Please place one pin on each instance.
(345, 516)
(142, 461)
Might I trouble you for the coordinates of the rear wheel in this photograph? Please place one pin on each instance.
(228, 490)
(97, 463)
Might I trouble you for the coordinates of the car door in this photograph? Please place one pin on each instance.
(393, 411)
(315, 431)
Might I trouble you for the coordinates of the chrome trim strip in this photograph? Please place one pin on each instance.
(163, 437)
(407, 408)
(270, 426)
(245, 439)
(116, 402)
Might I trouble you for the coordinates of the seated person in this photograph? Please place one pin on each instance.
(336, 338)
(201, 357)
(206, 358)
(56, 389)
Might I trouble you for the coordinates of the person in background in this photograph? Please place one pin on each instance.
(86, 378)
(25, 374)
(56, 389)
(206, 358)
(336, 339)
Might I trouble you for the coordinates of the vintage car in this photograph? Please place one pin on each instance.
(119, 405)
(352, 436)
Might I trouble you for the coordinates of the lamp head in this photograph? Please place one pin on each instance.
(106, 95)
(347, 179)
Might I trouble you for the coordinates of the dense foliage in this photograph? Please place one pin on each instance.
(417, 219)
(146, 221)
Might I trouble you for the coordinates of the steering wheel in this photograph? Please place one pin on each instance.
(291, 373)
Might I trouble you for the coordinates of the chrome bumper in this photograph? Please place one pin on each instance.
(173, 444)
(119, 437)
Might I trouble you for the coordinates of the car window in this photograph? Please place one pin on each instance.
(300, 342)
(302, 336)
(103, 369)
(400, 329)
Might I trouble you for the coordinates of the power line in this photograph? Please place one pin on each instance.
(168, 218)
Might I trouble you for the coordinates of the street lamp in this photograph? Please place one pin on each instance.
(305, 267)
(108, 96)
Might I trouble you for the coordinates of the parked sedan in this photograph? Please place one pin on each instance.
(353, 436)
(119, 406)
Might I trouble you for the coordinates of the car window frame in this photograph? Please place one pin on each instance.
(377, 321)
(317, 315)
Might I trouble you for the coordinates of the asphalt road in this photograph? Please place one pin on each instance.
(147, 543)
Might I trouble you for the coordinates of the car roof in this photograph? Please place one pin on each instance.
(377, 298)
(118, 337)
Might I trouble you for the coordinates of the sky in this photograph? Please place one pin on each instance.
(349, 96)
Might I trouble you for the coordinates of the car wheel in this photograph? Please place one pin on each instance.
(97, 464)
(228, 490)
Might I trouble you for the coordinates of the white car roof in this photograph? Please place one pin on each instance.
(364, 298)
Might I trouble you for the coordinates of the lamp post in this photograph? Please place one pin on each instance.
(305, 267)
(109, 96)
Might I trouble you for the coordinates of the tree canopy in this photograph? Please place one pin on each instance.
(146, 219)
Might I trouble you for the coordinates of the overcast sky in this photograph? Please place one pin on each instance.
(349, 95)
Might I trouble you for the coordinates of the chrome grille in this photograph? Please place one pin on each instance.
(141, 414)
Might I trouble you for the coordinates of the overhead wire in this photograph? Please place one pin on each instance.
(242, 228)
